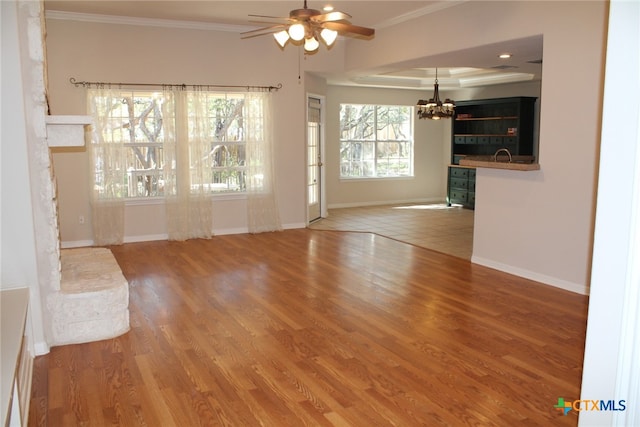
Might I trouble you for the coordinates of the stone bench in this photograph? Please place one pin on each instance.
(93, 301)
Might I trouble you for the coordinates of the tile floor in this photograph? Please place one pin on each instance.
(433, 226)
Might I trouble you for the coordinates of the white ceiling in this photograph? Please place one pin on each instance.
(462, 69)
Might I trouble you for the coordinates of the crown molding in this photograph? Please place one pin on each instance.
(494, 79)
(447, 83)
(419, 12)
(145, 22)
(211, 26)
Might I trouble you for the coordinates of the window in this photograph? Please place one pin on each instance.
(135, 120)
(138, 127)
(228, 145)
(376, 141)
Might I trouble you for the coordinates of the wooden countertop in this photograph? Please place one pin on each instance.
(524, 164)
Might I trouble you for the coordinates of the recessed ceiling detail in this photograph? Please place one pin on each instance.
(448, 78)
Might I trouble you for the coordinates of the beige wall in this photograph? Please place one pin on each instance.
(429, 181)
(432, 145)
(535, 224)
(128, 53)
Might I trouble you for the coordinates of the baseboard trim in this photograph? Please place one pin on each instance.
(155, 237)
(76, 244)
(41, 348)
(532, 275)
(228, 231)
(145, 238)
(386, 202)
(294, 226)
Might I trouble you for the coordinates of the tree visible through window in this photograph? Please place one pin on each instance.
(137, 121)
(376, 141)
(228, 145)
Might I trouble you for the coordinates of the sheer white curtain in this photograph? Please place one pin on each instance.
(107, 166)
(146, 145)
(262, 206)
(188, 167)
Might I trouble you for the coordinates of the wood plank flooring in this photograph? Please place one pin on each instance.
(319, 328)
(435, 226)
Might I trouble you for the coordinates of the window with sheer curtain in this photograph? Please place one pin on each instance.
(184, 147)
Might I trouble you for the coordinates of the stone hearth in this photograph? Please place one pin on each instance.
(93, 300)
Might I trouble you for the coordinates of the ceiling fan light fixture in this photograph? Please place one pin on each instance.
(311, 44)
(434, 109)
(282, 37)
(309, 27)
(328, 36)
(296, 32)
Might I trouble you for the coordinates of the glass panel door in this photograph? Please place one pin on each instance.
(314, 159)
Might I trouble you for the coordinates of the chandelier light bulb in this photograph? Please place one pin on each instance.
(311, 44)
(282, 37)
(328, 36)
(296, 32)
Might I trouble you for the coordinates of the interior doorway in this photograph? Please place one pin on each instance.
(315, 178)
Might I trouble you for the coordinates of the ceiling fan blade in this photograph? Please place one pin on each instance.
(348, 28)
(332, 16)
(262, 31)
(270, 17)
(271, 23)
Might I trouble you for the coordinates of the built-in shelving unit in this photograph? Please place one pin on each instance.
(481, 128)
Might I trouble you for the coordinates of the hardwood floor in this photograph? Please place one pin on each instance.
(435, 226)
(307, 327)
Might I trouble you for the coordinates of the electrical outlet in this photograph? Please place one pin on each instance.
(81, 219)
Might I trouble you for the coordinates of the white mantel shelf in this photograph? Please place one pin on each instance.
(66, 131)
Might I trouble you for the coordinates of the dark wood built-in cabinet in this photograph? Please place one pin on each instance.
(462, 185)
(482, 127)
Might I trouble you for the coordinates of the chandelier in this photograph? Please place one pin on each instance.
(435, 109)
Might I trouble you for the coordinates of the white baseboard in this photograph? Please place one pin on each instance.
(386, 202)
(76, 244)
(245, 230)
(155, 237)
(532, 275)
(294, 226)
(228, 231)
(145, 238)
(41, 348)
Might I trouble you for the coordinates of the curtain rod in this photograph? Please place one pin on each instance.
(180, 86)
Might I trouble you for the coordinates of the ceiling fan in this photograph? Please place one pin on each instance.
(307, 26)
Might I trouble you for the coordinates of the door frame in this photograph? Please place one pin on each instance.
(322, 196)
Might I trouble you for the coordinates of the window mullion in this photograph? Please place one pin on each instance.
(375, 140)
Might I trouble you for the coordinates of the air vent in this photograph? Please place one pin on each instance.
(535, 61)
(504, 67)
